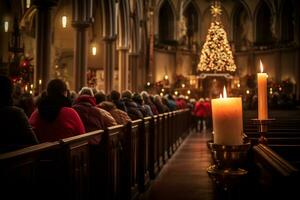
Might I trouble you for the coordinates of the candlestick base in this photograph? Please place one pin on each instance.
(262, 127)
(228, 162)
(226, 178)
(229, 156)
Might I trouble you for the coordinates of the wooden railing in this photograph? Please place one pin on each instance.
(277, 178)
(120, 167)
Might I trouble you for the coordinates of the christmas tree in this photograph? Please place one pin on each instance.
(216, 55)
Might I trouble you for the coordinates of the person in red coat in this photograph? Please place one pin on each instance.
(208, 120)
(54, 119)
(200, 112)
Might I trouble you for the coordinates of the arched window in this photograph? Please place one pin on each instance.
(166, 23)
(287, 19)
(191, 17)
(241, 27)
(264, 25)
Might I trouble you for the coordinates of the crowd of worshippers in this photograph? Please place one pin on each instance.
(58, 113)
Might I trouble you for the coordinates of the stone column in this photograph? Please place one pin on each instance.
(82, 15)
(109, 63)
(297, 74)
(151, 71)
(123, 69)
(80, 54)
(134, 63)
(43, 34)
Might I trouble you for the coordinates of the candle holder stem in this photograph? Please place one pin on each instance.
(262, 126)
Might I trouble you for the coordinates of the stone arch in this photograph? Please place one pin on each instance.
(264, 23)
(108, 19)
(123, 23)
(192, 14)
(241, 23)
(165, 21)
(287, 13)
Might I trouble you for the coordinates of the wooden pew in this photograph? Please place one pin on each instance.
(144, 156)
(153, 147)
(275, 177)
(165, 137)
(23, 172)
(132, 151)
(58, 169)
(160, 140)
(170, 134)
(77, 163)
(109, 179)
(290, 152)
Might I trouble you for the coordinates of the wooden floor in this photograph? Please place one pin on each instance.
(184, 177)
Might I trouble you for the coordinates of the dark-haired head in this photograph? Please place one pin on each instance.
(6, 89)
(100, 97)
(56, 88)
(115, 95)
(137, 98)
(56, 98)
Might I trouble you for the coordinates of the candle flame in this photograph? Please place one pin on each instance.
(261, 66)
(224, 92)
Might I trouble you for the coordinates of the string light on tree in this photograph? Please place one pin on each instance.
(216, 55)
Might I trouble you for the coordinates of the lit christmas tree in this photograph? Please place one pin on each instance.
(216, 55)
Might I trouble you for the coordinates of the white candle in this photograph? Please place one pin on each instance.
(262, 94)
(227, 120)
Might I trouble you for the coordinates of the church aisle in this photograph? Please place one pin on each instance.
(184, 177)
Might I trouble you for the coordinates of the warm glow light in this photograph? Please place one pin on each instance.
(280, 88)
(30, 91)
(187, 97)
(166, 77)
(28, 2)
(148, 83)
(247, 91)
(94, 51)
(261, 66)
(40, 81)
(26, 87)
(31, 86)
(224, 92)
(161, 94)
(162, 89)
(6, 26)
(183, 85)
(64, 21)
(176, 93)
(238, 85)
(221, 96)
(189, 92)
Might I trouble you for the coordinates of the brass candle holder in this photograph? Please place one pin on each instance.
(262, 127)
(228, 162)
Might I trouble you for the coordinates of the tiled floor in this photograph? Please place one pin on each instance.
(184, 176)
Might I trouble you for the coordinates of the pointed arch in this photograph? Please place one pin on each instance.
(108, 19)
(241, 23)
(286, 21)
(192, 14)
(264, 23)
(165, 21)
(123, 23)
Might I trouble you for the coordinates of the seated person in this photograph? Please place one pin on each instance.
(15, 130)
(54, 118)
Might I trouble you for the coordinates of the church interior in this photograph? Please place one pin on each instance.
(150, 99)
